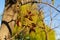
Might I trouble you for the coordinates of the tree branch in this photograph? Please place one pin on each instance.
(41, 3)
(54, 28)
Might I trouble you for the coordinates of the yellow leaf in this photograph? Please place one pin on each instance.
(52, 2)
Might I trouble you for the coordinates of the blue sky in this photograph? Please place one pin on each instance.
(56, 19)
(2, 2)
(2, 6)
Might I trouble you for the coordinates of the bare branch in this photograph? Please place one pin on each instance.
(51, 18)
(41, 3)
(54, 28)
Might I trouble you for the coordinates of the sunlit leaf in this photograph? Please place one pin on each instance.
(30, 15)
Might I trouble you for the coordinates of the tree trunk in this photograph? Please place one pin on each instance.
(9, 17)
(8, 21)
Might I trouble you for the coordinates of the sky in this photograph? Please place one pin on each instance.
(56, 18)
(2, 3)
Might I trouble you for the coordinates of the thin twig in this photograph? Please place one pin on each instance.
(54, 28)
(41, 3)
(51, 18)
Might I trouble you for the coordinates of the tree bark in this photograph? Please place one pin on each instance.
(8, 21)
(9, 17)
